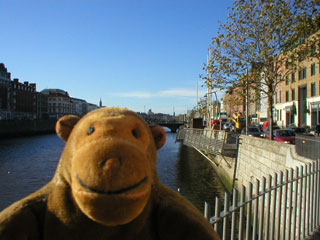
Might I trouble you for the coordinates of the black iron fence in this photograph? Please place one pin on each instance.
(283, 206)
(308, 146)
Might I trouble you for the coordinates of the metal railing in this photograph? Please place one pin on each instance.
(210, 141)
(284, 206)
(180, 134)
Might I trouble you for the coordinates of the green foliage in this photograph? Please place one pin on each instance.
(258, 36)
(305, 109)
(293, 109)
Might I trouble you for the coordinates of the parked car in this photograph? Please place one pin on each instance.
(283, 135)
(228, 126)
(267, 130)
(297, 129)
(253, 131)
(260, 126)
(313, 131)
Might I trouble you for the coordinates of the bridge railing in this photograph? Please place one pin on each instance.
(210, 141)
(285, 206)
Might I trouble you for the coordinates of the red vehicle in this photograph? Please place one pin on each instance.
(265, 125)
(284, 136)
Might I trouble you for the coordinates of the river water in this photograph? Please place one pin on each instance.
(26, 164)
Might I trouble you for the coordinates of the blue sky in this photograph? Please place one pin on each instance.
(138, 54)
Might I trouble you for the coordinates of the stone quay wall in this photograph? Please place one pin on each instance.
(258, 158)
(18, 128)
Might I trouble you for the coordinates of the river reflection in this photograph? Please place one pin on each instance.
(183, 168)
(26, 164)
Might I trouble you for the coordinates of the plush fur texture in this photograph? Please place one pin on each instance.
(105, 187)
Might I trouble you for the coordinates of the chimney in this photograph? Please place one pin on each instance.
(26, 84)
(16, 80)
(33, 85)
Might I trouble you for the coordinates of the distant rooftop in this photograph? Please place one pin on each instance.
(47, 91)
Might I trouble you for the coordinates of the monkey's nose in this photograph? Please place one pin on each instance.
(110, 164)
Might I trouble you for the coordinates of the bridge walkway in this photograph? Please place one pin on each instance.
(207, 140)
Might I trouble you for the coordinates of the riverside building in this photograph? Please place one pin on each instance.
(297, 100)
(5, 88)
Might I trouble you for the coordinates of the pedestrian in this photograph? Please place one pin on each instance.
(318, 129)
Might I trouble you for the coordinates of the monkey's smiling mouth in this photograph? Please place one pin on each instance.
(111, 192)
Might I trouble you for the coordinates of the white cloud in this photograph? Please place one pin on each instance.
(177, 93)
(163, 93)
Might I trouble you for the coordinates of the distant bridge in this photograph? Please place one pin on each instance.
(172, 125)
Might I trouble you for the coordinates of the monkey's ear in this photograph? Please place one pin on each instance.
(65, 125)
(159, 135)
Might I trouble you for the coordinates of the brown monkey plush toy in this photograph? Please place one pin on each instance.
(106, 187)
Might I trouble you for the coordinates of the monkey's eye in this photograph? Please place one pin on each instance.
(90, 130)
(135, 133)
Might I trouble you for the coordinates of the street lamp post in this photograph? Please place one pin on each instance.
(209, 98)
(247, 103)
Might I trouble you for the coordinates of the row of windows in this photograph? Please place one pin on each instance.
(59, 99)
(4, 81)
(60, 110)
(26, 96)
(302, 74)
(293, 94)
(4, 74)
(59, 104)
(24, 88)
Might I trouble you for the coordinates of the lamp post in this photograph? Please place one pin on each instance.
(247, 103)
(210, 105)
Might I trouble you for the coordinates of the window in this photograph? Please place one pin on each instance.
(293, 94)
(293, 77)
(304, 73)
(287, 80)
(280, 97)
(276, 97)
(300, 74)
(313, 69)
(287, 96)
(313, 89)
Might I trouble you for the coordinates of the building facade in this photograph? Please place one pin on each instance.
(5, 89)
(297, 100)
(23, 100)
(80, 106)
(42, 106)
(59, 103)
(91, 107)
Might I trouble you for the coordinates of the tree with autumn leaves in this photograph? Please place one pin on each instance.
(259, 44)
